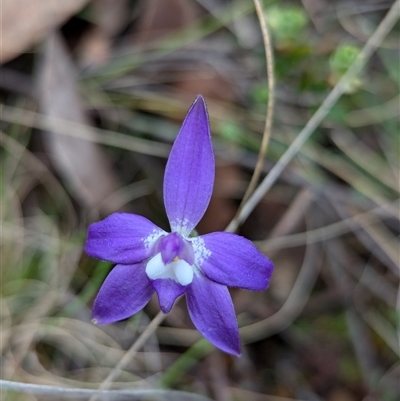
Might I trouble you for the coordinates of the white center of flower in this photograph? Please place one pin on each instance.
(178, 270)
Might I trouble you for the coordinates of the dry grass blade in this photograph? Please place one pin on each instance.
(375, 114)
(130, 354)
(383, 328)
(361, 154)
(270, 109)
(38, 168)
(60, 393)
(294, 304)
(251, 395)
(293, 215)
(376, 238)
(385, 240)
(327, 232)
(359, 335)
(77, 130)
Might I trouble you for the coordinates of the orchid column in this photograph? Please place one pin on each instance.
(149, 260)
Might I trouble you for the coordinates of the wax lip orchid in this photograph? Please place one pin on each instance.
(149, 260)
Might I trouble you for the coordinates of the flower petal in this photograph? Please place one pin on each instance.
(125, 292)
(167, 291)
(211, 310)
(122, 238)
(233, 260)
(189, 174)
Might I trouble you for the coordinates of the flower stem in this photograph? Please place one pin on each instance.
(141, 340)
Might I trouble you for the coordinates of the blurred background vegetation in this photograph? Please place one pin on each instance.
(93, 94)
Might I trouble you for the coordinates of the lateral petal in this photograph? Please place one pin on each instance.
(189, 174)
(122, 238)
(125, 292)
(211, 310)
(234, 261)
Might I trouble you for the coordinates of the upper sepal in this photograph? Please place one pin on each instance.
(189, 174)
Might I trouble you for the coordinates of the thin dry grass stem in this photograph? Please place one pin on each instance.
(358, 334)
(373, 43)
(33, 316)
(379, 247)
(388, 242)
(11, 210)
(329, 231)
(398, 311)
(359, 153)
(48, 297)
(368, 278)
(73, 344)
(294, 214)
(345, 13)
(243, 394)
(384, 329)
(378, 284)
(73, 336)
(122, 197)
(363, 347)
(47, 243)
(64, 393)
(13, 163)
(390, 150)
(69, 128)
(374, 115)
(130, 354)
(218, 374)
(295, 303)
(347, 172)
(81, 342)
(270, 108)
(178, 336)
(38, 168)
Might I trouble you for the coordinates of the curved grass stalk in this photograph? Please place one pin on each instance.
(130, 354)
(270, 108)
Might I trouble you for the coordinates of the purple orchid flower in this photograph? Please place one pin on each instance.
(172, 264)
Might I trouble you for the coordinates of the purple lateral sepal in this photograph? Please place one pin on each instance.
(235, 261)
(121, 238)
(189, 174)
(125, 292)
(211, 310)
